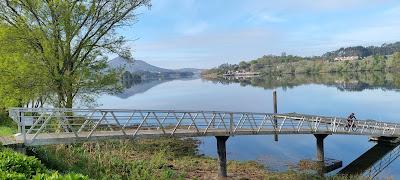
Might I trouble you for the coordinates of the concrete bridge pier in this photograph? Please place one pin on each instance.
(221, 150)
(320, 146)
(320, 153)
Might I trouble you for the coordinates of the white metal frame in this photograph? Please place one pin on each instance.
(57, 125)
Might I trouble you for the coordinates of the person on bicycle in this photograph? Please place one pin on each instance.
(350, 119)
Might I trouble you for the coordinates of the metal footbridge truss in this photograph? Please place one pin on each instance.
(58, 126)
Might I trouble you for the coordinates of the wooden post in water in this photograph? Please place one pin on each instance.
(221, 149)
(275, 111)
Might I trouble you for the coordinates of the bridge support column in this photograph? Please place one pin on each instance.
(221, 149)
(320, 146)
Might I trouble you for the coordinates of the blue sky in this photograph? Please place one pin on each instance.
(206, 33)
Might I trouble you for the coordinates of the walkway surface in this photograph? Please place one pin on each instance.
(9, 140)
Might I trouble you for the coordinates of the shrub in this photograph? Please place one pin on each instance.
(13, 162)
(57, 176)
(11, 176)
(7, 126)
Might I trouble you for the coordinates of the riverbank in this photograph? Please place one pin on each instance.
(165, 158)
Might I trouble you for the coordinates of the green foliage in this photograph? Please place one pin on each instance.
(22, 79)
(153, 169)
(13, 162)
(16, 166)
(57, 176)
(7, 126)
(11, 176)
(68, 41)
(147, 159)
(277, 65)
(360, 51)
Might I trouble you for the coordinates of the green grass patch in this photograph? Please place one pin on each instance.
(7, 125)
(7, 131)
(148, 159)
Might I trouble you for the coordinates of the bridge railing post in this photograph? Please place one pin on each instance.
(21, 125)
(19, 122)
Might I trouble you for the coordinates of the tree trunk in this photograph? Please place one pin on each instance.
(70, 100)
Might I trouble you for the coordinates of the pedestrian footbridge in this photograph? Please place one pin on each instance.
(44, 126)
(54, 126)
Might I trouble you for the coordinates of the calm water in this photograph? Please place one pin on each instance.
(374, 99)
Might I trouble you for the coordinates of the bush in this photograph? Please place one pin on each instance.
(57, 176)
(16, 166)
(11, 176)
(13, 162)
(7, 126)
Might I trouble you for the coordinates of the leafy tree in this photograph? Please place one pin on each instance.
(394, 62)
(70, 40)
(22, 80)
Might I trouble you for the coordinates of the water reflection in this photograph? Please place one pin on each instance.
(342, 81)
(144, 85)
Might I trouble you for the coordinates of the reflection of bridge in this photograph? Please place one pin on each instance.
(373, 161)
(58, 126)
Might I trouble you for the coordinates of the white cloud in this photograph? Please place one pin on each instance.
(265, 17)
(314, 5)
(208, 49)
(194, 28)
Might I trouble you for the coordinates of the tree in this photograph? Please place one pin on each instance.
(22, 82)
(71, 38)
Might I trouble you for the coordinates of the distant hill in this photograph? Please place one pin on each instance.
(135, 66)
(361, 51)
(139, 66)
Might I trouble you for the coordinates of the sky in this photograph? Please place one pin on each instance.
(207, 33)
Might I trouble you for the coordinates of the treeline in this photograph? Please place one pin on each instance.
(275, 65)
(362, 52)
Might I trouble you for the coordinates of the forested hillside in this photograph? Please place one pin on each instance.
(362, 52)
(384, 58)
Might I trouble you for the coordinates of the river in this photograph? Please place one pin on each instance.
(369, 96)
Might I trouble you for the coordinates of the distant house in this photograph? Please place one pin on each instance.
(346, 58)
(241, 73)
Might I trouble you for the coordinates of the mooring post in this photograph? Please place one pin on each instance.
(221, 149)
(275, 112)
(320, 146)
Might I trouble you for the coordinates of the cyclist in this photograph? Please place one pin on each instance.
(350, 119)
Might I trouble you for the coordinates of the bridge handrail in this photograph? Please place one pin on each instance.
(182, 111)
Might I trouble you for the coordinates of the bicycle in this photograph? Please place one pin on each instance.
(351, 125)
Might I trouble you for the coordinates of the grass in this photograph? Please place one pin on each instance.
(148, 159)
(7, 131)
(7, 126)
